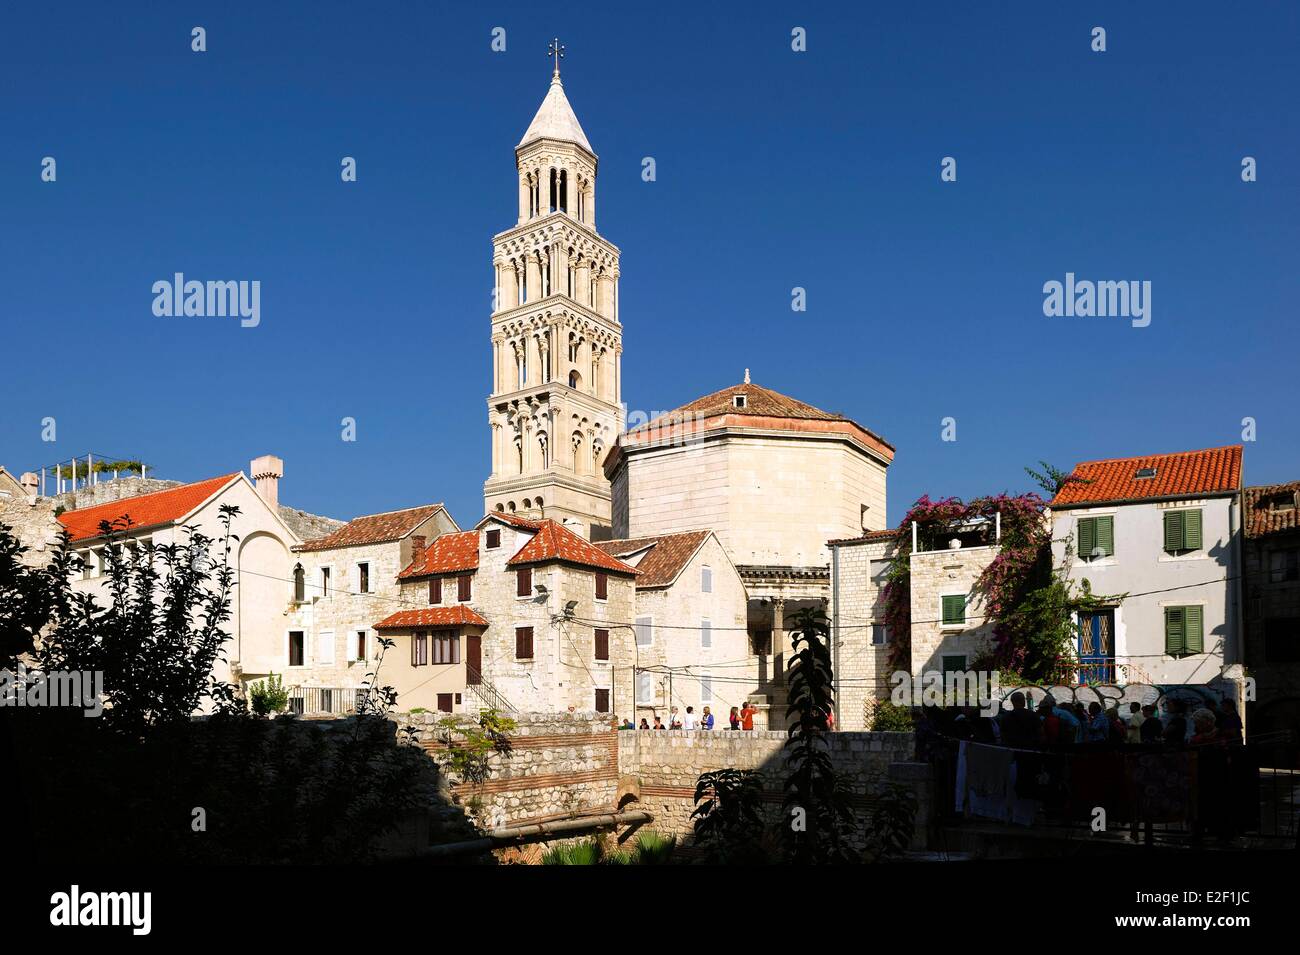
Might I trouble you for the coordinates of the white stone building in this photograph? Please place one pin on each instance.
(692, 646)
(1162, 533)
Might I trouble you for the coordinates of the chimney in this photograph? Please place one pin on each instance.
(267, 471)
(418, 543)
(31, 484)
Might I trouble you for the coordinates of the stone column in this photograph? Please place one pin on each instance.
(533, 274)
(778, 640)
(582, 280)
(591, 204)
(496, 367)
(523, 197)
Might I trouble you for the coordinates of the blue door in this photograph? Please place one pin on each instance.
(1097, 647)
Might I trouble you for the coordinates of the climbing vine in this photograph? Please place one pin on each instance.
(1028, 601)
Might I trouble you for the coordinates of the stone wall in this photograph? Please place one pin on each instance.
(934, 575)
(560, 764)
(858, 581)
(662, 768)
(34, 525)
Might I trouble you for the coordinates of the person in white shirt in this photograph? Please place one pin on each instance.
(689, 720)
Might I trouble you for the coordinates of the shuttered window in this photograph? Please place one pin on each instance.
(493, 539)
(524, 582)
(523, 643)
(464, 587)
(1096, 537)
(1184, 630)
(435, 590)
(602, 701)
(602, 644)
(706, 580)
(706, 633)
(1182, 531)
(644, 631)
(954, 610)
(446, 646)
(602, 586)
(419, 649)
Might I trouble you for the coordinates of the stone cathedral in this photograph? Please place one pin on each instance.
(555, 405)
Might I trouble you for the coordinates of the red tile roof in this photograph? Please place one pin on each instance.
(1205, 473)
(512, 519)
(1272, 509)
(457, 616)
(669, 555)
(147, 510)
(374, 528)
(868, 538)
(446, 554)
(554, 541)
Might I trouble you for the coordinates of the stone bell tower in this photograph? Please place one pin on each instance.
(555, 406)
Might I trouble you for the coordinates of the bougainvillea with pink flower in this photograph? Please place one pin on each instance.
(1029, 606)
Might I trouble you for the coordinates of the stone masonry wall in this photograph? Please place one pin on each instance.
(662, 767)
(862, 666)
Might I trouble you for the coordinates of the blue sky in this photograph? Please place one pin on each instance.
(775, 169)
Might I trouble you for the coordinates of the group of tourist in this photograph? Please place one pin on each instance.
(1070, 723)
(740, 718)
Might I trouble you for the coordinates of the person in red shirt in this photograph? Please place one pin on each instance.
(747, 716)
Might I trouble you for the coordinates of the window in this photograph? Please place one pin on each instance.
(645, 687)
(1182, 531)
(325, 647)
(359, 647)
(464, 587)
(419, 649)
(444, 702)
(879, 635)
(1283, 565)
(1143, 474)
(706, 580)
(602, 586)
(325, 581)
(738, 401)
(524, 582)
(492, 539)
(1096, 537)
(602, 701)
(706, 634)
(644, 631)
(297, 647)
(363, 577)
(954, 610)
(446, 646)
(953, 664)
(706, 691)
(1282, 640)
(435, 590)
(299, 584)
(602, 644)
(523, 643)
(1184, 630)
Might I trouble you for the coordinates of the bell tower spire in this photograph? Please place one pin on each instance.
(555, 407)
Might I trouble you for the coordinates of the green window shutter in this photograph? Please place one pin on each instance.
(954, 610)
(1106, 535)
(1174, 631)
(1173, 531)
(1192, 530)
(1194, 629)
(1087, 536)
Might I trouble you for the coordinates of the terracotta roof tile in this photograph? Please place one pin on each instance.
(669, 555)
(374, 528)
(1272, 509)
(1183, 474)
(457, 616)
(513, 519)
(145, 511)
(446, 554)
(869, 537)
(554, 541)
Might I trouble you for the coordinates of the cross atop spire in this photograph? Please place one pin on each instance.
(556, 49)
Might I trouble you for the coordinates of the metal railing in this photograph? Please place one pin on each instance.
(333, 700)
(488, 695)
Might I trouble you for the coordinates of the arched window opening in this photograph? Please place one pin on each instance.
(564, 190)
(299, 583)
(554, 190)
(575, 380)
